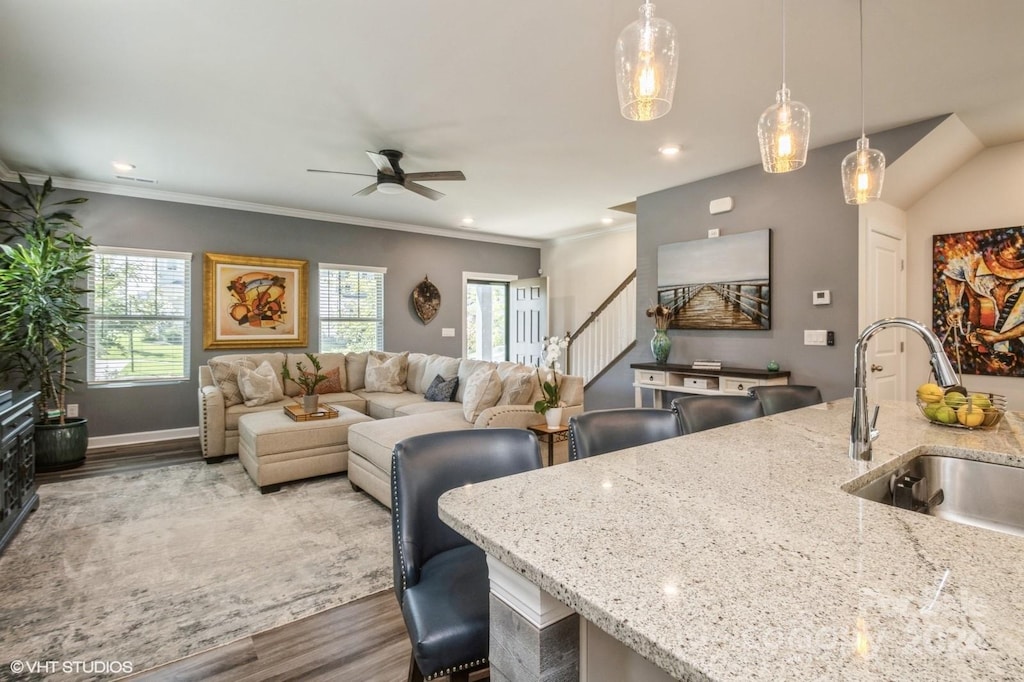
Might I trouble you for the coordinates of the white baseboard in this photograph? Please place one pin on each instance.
(143, 437)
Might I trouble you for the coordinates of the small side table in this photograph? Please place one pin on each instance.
(546, 434)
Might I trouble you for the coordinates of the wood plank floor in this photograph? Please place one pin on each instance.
(361, 640)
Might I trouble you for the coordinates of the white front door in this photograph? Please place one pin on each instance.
(885, 296)
(528, 319)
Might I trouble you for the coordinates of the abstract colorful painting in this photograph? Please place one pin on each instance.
(254, 302)
(977, 308)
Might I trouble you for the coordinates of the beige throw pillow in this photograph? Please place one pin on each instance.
(517, 388)
(482, 391)
(225, 375)
(386, 374)
(260, 386)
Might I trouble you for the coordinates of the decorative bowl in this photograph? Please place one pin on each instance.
(993, 412)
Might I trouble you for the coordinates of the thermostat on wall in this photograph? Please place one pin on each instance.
(822, 297)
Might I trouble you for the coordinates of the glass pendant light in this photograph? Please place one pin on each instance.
(646, 58)
(864, 169)
(784, 129)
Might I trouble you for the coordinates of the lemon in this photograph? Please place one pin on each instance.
(945, 414)
(929, 393)
(969, 415)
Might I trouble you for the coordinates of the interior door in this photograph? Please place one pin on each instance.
(886, 297)
(528, 319)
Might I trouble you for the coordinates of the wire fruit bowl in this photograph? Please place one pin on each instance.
(993, 412)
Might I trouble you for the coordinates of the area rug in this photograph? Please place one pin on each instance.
(151, 566)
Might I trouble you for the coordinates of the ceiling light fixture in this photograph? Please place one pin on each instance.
(864, 169)
(389, 187)
(467, 221)
(669, 150)
(606, 221)
(784, 129)
(646, 58)
(122, 166)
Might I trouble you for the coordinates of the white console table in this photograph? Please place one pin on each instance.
(686, 379)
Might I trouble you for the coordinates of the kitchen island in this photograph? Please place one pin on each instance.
(736, 554)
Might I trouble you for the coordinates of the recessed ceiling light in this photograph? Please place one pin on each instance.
(122, 166)
(607, 221)
(668, 149)
(467, 221)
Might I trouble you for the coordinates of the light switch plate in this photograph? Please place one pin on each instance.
(713, 232)
(822, 297)
(447, 331)
(815, 337)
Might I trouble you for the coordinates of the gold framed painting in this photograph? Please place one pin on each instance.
(254, 302)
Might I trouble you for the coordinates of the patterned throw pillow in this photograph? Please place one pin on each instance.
(332, 384)
(442, 390)
(386, 374)
(482, 391)
(260, 386)
(517, 389)
(225, 375)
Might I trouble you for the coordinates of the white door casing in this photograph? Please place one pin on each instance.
(883, 269)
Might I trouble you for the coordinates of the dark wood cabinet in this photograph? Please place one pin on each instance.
(18, 496)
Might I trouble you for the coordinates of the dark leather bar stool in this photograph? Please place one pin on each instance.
(601, 431)
(440, 577)
(775, 399)
(702, 412)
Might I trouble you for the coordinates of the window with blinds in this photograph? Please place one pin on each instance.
(351, 308)
(138, 325)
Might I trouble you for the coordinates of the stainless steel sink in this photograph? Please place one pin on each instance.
(966, 491)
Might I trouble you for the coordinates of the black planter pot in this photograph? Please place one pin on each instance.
(61, 446)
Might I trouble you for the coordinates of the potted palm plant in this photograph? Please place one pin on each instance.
(43, 267)
(307, 381)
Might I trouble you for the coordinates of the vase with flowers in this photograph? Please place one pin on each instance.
(551, 404)
(661, 344)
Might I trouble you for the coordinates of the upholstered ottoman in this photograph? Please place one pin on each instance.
(274, 449)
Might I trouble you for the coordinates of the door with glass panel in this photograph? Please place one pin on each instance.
(487, 320)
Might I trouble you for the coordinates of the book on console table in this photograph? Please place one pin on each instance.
(707, 364)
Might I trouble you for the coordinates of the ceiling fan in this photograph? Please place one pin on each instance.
(391, 179)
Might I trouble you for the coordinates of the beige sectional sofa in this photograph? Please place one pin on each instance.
(390, 388)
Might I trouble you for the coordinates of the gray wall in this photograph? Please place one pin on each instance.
(814, 246)
(141, 223)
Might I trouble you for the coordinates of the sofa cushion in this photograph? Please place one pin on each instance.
(466, 370)
(414, 376)
(225, 375)
(355, 370)
(442, 390)
(483, 391)
(426, 406)
(328, 362)
(438, 365)
(383, 405)
(375, 440)
(386, 374)
(259, 386)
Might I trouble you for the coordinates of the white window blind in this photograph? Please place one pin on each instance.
(138, 326)
(351, 308)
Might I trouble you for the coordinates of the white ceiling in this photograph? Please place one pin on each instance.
(234, 99)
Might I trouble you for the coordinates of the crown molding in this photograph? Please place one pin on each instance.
(7, 175)
(630, 227)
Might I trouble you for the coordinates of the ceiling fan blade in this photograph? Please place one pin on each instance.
(436, 175)
(369, 189)
(382, 163)
(421, 190)
(317, 170)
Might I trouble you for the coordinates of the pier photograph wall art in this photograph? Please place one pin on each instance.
(718, 283)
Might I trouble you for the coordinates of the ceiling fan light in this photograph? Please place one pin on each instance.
(863, 173)
(388, 187)
(784, 133)
(646, 60)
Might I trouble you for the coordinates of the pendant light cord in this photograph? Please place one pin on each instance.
(862, 68)
(783, 43)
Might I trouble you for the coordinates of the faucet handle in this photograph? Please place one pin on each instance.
(874, 420)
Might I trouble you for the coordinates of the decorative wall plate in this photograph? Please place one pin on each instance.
(426, 299)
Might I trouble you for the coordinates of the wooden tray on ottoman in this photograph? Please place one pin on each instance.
(298, 414)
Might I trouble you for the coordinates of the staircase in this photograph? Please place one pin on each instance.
(607, 335)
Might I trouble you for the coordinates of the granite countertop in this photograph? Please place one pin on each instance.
(735, 554)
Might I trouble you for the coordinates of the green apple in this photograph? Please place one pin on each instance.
(945, 414)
